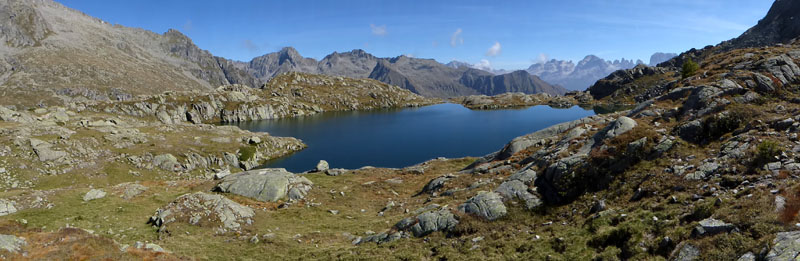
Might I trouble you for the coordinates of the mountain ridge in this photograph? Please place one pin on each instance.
(424, 76)
(53, 54)
(579, 76)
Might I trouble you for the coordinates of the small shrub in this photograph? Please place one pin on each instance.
(246, 153)
(701, 212)
(766, 153)
(689, 68)
(723, 123)
(625, 238)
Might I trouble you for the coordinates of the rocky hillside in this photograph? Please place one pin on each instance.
(517, 100)
(778, 26)
(288, 95)
(51, 53)
(705, 167)
(705, 170)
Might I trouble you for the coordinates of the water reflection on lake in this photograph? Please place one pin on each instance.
(404, 137)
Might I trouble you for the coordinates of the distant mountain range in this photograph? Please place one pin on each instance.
(574, 77)
(423, 76)
(580, 76)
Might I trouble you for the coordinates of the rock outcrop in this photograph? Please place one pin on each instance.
(268, 185)
(203, 209)
(288, 95)
(94, 194)
(487, 205)
(11, 243)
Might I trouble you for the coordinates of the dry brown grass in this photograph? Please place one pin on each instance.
(790, 210)
(73, 244)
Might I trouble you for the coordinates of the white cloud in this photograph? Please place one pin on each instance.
(250, 46)
(542, 58)
(494, 50)
(483, 65)
(188, 26)
(378, 30)
(456, 38)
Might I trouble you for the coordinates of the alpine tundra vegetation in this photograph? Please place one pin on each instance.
(115, 144)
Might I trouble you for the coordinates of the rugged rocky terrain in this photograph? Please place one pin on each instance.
(52, 54)
(288, 95)
(778, 26)
(57, 161)
(705, 167)
(516, 100)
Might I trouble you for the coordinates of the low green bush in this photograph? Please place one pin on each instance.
(246, 153)
(689, 68)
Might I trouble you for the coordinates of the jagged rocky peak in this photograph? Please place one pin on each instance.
(458, 64)
(780, 25)
(21, 24)
(357, 53)
(181, 45)
(289, 54)
(659, 57)
(591, 60)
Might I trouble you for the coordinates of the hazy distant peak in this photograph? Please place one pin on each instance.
(288, 50)
(657, 58)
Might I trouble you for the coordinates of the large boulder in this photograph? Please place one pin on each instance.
(690, 131)
(785, 246)
(710, 226)
(782, 67)
(428, 222)
(540, 137)
(11, 243)
(45, 151)
(487, 205)
(618, 127)
(322, 166)
(526, 175)
(7, 207)
(701, 97)
(7, 114)
(560, 179)
(268, 185)
(94, 194)
(129, 190)
(516, 189)
(203, 209)
(686, 252)
(166, 162)
(763, 84)
(436, 184)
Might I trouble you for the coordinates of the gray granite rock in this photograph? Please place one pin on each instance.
(487, 205)
(266, 185)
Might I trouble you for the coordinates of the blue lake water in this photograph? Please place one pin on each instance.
(404, 137)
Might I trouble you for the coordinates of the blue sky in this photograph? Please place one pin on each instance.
(507, 34)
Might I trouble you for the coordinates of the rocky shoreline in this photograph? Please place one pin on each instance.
(288, 95)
